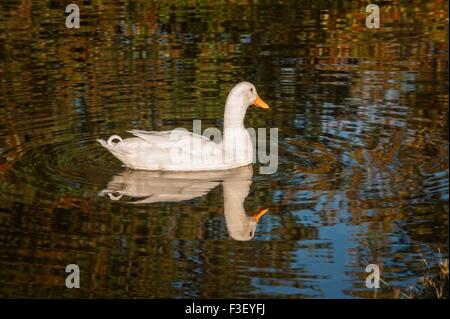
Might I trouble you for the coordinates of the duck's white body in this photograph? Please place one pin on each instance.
(180, 150)
(153, 187)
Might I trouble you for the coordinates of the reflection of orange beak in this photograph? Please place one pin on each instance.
(259, 213)
(260, 103)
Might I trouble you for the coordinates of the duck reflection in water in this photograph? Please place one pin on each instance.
(154, 187)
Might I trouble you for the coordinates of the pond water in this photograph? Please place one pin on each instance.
(363, 130)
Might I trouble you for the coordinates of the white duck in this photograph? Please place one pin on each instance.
(154, 187)
(180, 150)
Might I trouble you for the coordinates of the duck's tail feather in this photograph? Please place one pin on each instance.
(111, 145)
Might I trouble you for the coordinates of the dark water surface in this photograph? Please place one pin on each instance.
(363, 147)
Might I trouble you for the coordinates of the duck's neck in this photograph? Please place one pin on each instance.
(234, 113)
(237, 145)
(234, 194)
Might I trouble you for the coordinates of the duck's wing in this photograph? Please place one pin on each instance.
(168, 139)
(150, 187)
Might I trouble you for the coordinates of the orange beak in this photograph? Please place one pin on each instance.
(260, 103)
(259, 213)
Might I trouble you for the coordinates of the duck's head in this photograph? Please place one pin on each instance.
(244, 94)
(245, 229)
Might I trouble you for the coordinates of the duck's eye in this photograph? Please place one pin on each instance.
(251, 89)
